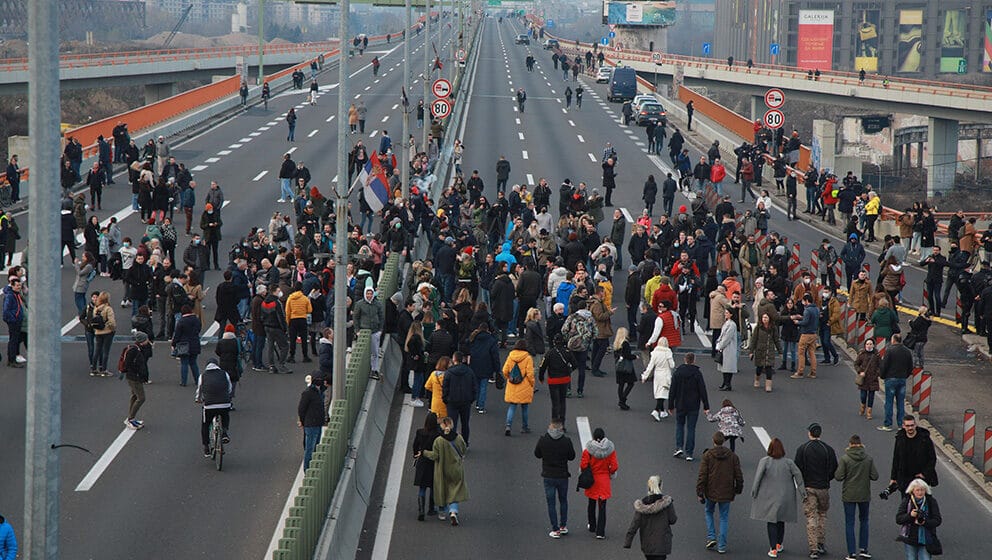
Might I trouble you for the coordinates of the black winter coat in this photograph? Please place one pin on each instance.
(459, 385)
(227, 355)
(311, 408)
(554, 453)
(501, 297)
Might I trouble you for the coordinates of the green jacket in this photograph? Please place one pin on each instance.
(883, 319)
(856, 469)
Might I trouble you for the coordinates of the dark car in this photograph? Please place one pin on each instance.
(521, 40)
(651, 112)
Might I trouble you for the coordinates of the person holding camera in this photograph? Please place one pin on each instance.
(919, 516)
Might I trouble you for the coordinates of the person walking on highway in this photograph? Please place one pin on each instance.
(186, 344)
(558, 364)
(448, 453)
(555, 450)
(809, 325)
(104, 325)
(291, 122)
(600, 457)
(568, 97)
(135, 371)
(687, 393)
(720, 479)
(210, 224)
(353, 119)
(362, 112)
(458, 391)
(654, 516)
(423, 476)
(313, 92)
(274, 321)
(919, 516)
(311, 414)
(244, 94)
(578, 96)
(773, 494)
(8, 542)
(866, 369)
(689, 109)
(856, 470)
(817, 462)
(895, 369)
(298, 315)
(519, 373)
(521, 99)
(913, 456)
(286, 172)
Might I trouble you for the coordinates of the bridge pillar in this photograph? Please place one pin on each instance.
(158, 92)
(942, 157)
(757, 107)
(824, 146)
(919, 155)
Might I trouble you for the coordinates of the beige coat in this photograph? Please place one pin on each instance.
(718, 302)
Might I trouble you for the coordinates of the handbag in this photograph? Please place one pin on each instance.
(500, 381)
(180, 349)
(585, 480)
(625, 367)
(859, 378)
(718, 358)
(933, 545)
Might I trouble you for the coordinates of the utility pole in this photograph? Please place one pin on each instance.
(405, 149)
(261, 42)
(428, 61)
(43, 424)
(341, 213)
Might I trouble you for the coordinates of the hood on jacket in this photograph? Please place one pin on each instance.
(506, 247)
(856, 454)
(554, 433)
(212, 365)
(652, 504)
(896, 267)
(600, 449)
(324, 341)
(518, 356)
(584, 313)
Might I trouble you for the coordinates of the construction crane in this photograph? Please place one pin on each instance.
(182, 20)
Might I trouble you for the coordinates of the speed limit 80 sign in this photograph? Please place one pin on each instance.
(440, 108)
(774, 119)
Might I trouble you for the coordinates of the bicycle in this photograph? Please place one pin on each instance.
(217, 442)
(246, 340)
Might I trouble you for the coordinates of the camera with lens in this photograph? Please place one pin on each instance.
(884, 494)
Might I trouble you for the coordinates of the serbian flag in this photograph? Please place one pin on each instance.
(375, 185)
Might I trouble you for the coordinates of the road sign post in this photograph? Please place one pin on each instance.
(440, 108)
(441, 88)
(774, 119)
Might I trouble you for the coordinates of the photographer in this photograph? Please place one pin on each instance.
(919, 516)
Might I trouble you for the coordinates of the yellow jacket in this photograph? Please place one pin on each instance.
(523, 392)
(650, 287)
(433, 384)
(872, 206)
(297, 306)
(607, 292)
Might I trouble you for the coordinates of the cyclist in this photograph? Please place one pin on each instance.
(213, 390)
(266, 94)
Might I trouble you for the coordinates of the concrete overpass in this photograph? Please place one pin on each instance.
(158, 70)
(944, 103)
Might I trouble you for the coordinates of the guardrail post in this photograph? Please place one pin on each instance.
(968, 434)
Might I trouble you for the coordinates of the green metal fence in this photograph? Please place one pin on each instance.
(313, 498)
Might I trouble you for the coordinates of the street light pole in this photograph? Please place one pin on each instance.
(427, 73)
(43, 422)
(341, 214)
(261, 42)
(405, 149)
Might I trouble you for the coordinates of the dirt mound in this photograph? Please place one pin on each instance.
(191, 41)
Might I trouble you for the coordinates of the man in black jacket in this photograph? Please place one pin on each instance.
(688, 391)
(818, 462)
(458, 391)
(896, 367)
(213, 390)
(274, 320)
(913, 455)
(311, 413)
(136, 358)
(555, 450)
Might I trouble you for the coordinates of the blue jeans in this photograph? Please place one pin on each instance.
(557, 486)
(789, 350)
(311, 436)
(513, 322)
(916, 552)
(484, 296)
(511, 409)
(134, 202)
(711, 533)
(480, 400)
(243, 307)
(187, 363)
(827, 343)
(895, 392)
(448, 287)
(718, 187)
(292, 133)
(284, 189)
(91, 347)
(862, 510)
(258, 351)
(685, 431)
(80, 300)
(367, 217)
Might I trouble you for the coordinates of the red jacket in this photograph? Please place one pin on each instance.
(675, 273)
(665, 293)
(718, 173)
(828, 192)
(602, 469)
(747, 171)
(670, 330)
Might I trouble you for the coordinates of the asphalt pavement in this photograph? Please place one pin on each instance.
(155, 496)
(506, 515)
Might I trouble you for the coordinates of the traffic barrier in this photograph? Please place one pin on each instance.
(851, 326)
(814, 263)
(968, 435)
(711, 197)
(881, 343)
(926, 379)
(794, 263)
(957, 310)
(988, 451)
(926, 294)
(914, 386)
(867, 331)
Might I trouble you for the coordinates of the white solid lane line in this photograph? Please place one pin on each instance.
(260, 175)
(626, 214)
(763, 436)
(585, 433)
(66, 328)
(104, 461)
(212, 330)
(387, 516)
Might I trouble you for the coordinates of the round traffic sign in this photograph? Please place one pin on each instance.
(441, 88)
(440, 108)
(774, 119)
(656, 58)
(774, 98)
(460, 55)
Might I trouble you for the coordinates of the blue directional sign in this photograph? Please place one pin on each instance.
(707, 49)
(613, 34)
(604, 41)
(773, 49)
(551, 24)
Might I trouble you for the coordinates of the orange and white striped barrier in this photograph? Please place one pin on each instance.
(814, 263)
(851, 326)
(914, 387)
(925, 383)
(794, 263)
(968, 435)
(881, 343)
(866, 331)
(988, 451)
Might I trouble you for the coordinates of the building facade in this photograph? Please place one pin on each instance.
(76, 17)
(925, 39)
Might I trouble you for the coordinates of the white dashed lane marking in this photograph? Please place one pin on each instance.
(199, 168)
(260, 175)
(314, 133)
(211, 160)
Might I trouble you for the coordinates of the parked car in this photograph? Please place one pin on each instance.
(603, 75)
(521, 40)
(650, 112)
(641, 99)
(550, 44)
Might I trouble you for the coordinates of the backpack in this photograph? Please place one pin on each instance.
(580, 334)
(97, 321)
(516, 377)
(122, 361)
(282, 234)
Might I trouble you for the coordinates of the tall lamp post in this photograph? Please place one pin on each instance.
(341, 213)
(405, 149)
(261, 42)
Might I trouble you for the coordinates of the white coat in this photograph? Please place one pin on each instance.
(661, 365)
(727, 343)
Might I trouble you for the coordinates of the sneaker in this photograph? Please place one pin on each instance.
(261, 369)
(779, 548)
(884, 428)
(864, 554)
(555, 534)
(482, 411)
(721, 551)
(525, 430)
(851, 557)
(417, 403)
(506, 432)
(710, 543)
(281, 200)
(796, 376)
(689, 459)
(656, 416)
(135, 425)
(441, 515)
(821, 549)
(664, 414)
(600, 537)
(678, 453)
(814, 555)
(580, 395)
(21, 359)
(491, 380)
(226, 439)
(206, 451)
(773, 553)
(563, 530)
(568, 394)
